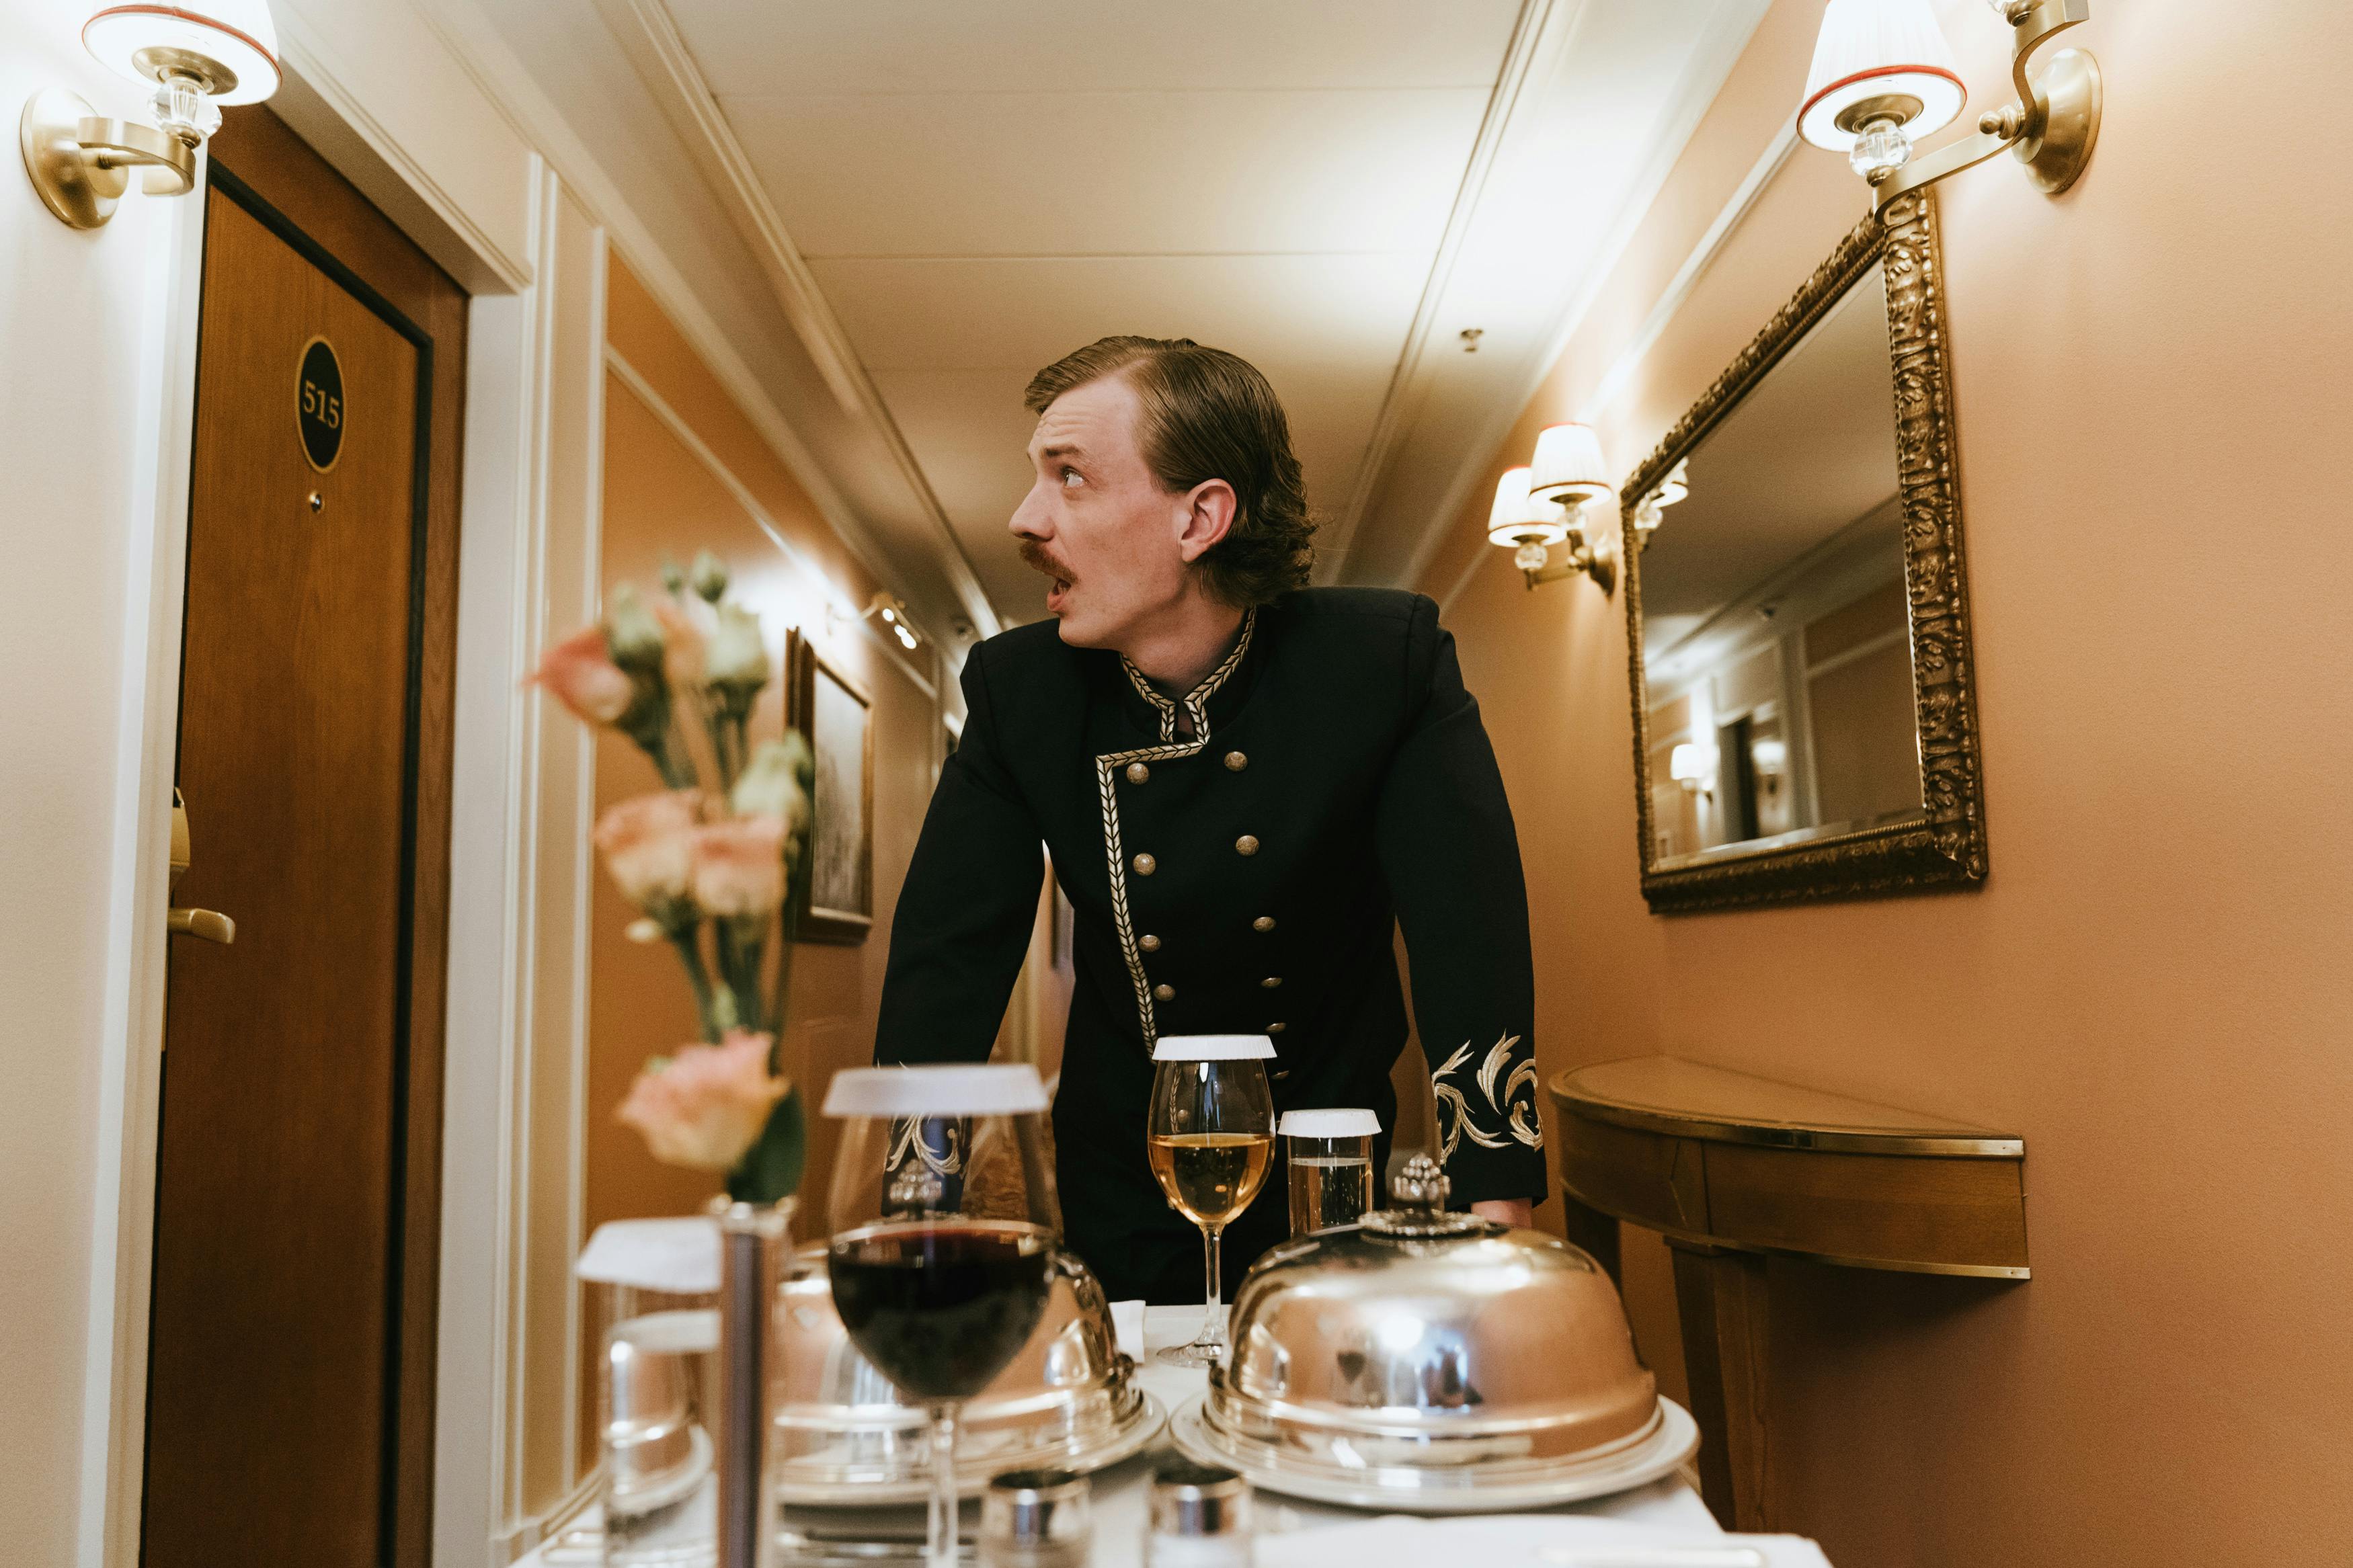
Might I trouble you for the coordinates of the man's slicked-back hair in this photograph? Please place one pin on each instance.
(1210, 414)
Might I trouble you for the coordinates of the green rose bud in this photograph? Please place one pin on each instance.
(776, 783)
(632, 632)
(736, 659)
(709, 576)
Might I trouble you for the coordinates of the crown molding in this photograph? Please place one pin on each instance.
(1695, 93)
(1539, 21)
(518, 97)
(1670, 302)
(652, 37)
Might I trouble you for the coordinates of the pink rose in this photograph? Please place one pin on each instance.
(580, 673)
(681, 645)
(739, 866)
(707, 1105)
(649, 845)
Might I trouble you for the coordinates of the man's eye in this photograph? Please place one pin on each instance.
(1069, 478)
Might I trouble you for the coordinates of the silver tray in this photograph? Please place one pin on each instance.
(851, 1483)
(1652, 1453)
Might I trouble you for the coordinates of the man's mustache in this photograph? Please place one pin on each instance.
(1039, 560)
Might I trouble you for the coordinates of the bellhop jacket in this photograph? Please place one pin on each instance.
(1240, 873)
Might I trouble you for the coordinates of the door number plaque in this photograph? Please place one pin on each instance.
(319, 407)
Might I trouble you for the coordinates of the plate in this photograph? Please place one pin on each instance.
(1131, 1437)
(1406, 1490)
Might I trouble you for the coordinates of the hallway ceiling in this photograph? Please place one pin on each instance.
(953, 195)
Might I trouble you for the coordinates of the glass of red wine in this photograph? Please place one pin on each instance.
(1210, 1138)
(945, 1223)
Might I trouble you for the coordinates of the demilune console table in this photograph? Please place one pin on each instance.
(1733, 1169)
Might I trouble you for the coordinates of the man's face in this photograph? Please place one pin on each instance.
(1097, 521)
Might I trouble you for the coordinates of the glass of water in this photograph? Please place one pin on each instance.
(1330, 1160)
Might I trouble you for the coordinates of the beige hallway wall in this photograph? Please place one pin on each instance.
(663, 498)
(2153, 988)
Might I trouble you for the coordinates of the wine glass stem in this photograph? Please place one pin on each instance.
(940, 1531)
(1213, 1327)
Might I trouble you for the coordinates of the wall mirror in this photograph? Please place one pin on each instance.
(1804, 722)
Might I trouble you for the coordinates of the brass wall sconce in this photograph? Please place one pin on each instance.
(194, 59)
(1544, 504)
(1692, 767)
(1884, 77)
(892, 610)
(1651, 512)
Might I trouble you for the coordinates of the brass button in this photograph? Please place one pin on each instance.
(1271, 982)
(1137, 772)
(1235, 762)
(1149, 944)
(1274, 1028)
(1284, 1073)
(1263, 922)
(1246, 845)
(1145, 865)
(1164, 992)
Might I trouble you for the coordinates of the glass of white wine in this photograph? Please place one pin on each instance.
(1211, 1140)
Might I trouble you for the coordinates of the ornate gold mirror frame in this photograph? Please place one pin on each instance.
(1949, 845)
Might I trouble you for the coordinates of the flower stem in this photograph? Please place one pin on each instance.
(691, 954)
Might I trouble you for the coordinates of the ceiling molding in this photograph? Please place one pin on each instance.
(1671, 302)
(1697, 92)
(516, 94)
(679, 82)
(1536, 20)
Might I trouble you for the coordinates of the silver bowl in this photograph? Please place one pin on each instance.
(841, 1437)
(1423, 1358)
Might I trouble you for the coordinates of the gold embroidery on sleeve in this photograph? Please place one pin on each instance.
(1511, 1099)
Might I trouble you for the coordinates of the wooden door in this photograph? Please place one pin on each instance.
(291, 1343)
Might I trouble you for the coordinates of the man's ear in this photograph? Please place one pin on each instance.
(1208, 513)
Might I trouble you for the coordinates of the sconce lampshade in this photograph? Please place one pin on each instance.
(1675, 486)
(232, 43)
(1567, 467)
(1879, 60)
(1690, 763)
(1514, 518)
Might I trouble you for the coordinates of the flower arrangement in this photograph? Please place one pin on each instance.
(714, 871)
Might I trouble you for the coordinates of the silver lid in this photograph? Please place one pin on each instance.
(1031, 1508)
(1421, 1340)
(1199, 1499)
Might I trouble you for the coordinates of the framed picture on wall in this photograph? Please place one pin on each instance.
(837, 717)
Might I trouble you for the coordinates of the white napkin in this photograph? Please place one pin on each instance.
(1127, 1320)
(1529, 1541)
(679, 1256)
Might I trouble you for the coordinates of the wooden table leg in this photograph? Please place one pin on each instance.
(1720, 1300)
(1594, 1231)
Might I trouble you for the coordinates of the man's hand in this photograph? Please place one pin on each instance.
(1506, 1211)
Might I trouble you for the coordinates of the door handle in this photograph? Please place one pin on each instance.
(209, 924)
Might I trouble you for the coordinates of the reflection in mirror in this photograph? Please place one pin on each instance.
(1775, 647)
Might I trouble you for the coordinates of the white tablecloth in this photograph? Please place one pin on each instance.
(1119, 1491)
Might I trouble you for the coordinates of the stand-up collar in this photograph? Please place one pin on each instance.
(1218, 694)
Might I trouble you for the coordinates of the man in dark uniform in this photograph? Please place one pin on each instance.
(1246, 785)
